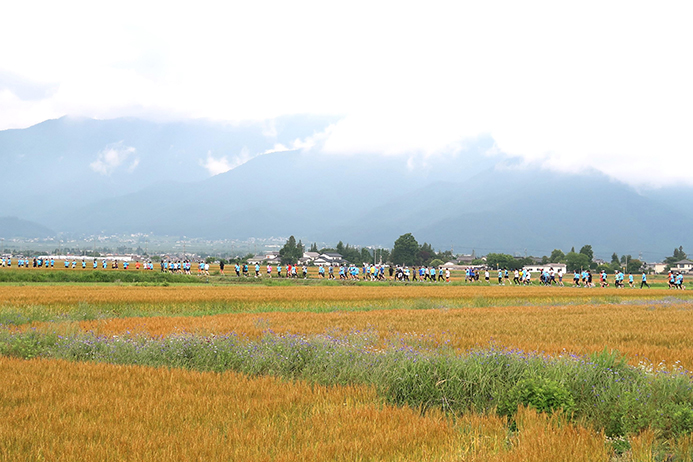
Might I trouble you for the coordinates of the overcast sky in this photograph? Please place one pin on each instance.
(569, 85)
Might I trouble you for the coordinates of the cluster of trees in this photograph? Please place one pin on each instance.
(584, 259)
(678, 255)
(407, 251)
(626, 263)
(291, 252)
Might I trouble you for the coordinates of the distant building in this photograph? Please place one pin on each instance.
(330, 258)
(684, 266)
(310, 256)
(268, 257)
(657, 268)
(453, 266)
(465, 259)
(548, 266)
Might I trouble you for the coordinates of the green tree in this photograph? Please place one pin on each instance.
(587, 250)
(502, 260)
(314, 247)
(446, 256)
(425, 254)
(340, 248)
(557, 256)
(576, 261)
(436, 262)
(405, 250)
(366, 256)
(291, 252)
(634, 265)
(350, 254)
(678, 255)
(614, 258)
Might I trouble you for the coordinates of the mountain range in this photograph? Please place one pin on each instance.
(271, 178)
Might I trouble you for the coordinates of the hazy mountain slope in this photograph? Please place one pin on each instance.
(272, 195)
(72, 162)
(537, 210)
(52, 176)
(13, 227)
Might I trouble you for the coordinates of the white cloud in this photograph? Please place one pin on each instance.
(112, 156)
(222, 164)
(215, 166)
(596, 84)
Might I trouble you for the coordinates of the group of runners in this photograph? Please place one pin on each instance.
(50, 262)
(371, 272)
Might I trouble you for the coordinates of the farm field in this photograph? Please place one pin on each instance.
(341, 372)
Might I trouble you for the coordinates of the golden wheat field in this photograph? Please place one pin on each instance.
(67, 294)
(576, 329)
(55, 410)
(553, 320)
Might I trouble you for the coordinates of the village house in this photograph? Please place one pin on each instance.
(684, 266)
(329, 258)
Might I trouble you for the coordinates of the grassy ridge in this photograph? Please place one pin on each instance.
(124, 276)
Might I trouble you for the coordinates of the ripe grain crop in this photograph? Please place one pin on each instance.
(651, 332)
(179, 299)
(56, 410)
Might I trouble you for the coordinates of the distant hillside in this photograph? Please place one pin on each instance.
(13, 227)
(75, 161)
(466, 201)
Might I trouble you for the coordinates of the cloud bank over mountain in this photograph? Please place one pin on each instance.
(570, 88)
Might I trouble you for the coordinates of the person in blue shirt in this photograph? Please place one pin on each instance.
(84, 264)
(630, 280)
(67, 263)
(679, 281)
(643, 282)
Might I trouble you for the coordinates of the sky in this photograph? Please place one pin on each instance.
(565, 85)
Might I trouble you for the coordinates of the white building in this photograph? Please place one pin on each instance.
(684, 266)
(540, 268)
